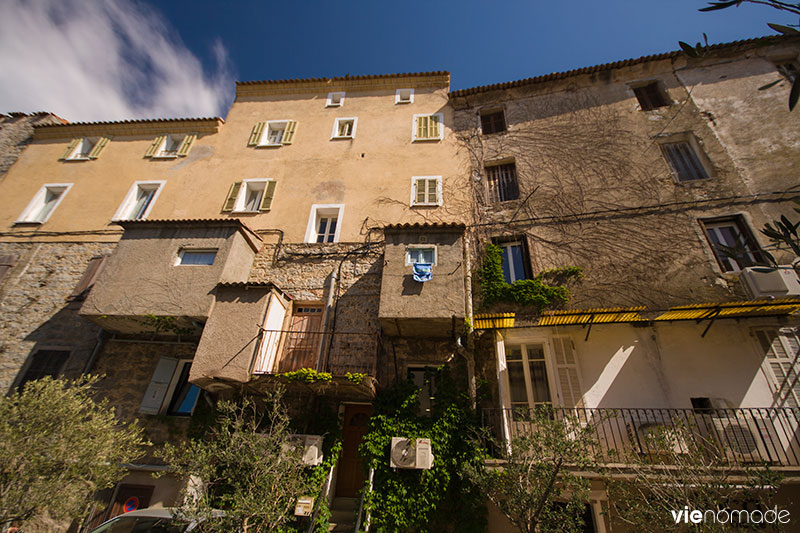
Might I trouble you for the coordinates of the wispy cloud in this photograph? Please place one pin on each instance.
(103, 60)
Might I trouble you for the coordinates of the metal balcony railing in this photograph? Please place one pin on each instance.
(338, 353)
(743, 436)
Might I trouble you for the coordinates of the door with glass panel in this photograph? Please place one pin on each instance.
(528, 385)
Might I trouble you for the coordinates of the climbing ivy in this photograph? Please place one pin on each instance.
(440, 499)
(544, 290)
(306, 375)
(165, 324)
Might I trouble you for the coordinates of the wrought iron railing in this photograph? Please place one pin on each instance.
(625, 435)
(338, 353)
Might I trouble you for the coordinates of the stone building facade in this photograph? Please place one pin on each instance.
(192, 259)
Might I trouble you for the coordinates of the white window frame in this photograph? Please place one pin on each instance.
(241, 197)
(324, 210)
(35, 206)
(422, 247)
(123, 213)
(427, 139)
(743, 231)
(335, 131)
(330, 100)
(273, 124)
(414, 183)
(77, 154)
(515, 276)
(182, 252)
(176, 139)
(399, 100)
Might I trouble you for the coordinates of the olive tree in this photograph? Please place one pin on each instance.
(57, 447)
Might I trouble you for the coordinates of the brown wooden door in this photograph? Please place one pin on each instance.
(130, 498)
(349, 475)
(302, 341)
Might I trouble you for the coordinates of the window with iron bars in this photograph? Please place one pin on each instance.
(502, 180)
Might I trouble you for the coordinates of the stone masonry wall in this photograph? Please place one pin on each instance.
(16, 131)
(34, 311)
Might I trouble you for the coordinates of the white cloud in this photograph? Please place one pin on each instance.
(103, 60)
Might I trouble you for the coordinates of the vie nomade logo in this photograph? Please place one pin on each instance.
(736, 516)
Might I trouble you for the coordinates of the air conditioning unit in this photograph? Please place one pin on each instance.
(311, 445)
(659, 438)
(748, 440)
(411, 453)
(777, 283)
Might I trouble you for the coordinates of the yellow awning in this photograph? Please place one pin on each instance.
(731, 309)
(600, 315)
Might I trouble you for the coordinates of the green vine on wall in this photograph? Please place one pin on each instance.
(544, 290)
(435, 500)
(165, 324)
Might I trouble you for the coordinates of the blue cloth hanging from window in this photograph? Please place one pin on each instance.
(423, 271)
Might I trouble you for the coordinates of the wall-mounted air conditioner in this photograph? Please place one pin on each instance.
(311, 446)
(747, 440)
(411, 453)
(777, 283)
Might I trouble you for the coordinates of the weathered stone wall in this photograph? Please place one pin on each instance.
(34, 310)
(16, 131)
(127, 367)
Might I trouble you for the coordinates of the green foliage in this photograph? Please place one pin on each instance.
(545, 290)
(58, 446)
(356, 377)
(245, 466)
(784, 233)
(165, 324)
(440, 499)
(698, 475)
(306, 375)
(537, 487)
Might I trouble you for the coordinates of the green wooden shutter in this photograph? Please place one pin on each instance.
(230, 202)
(288, 133)
(255, 135)
(157, 142)
(98, 147)
(70, 148)
(186, 145)
(266, 199)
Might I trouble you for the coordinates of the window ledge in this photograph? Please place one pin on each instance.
(164, 156)
(27, 223)
(339, 138)
(433, 139)
(426, 205)
(69, 159)
(269, 145)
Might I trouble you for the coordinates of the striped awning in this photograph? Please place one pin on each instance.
(749, 308)
(600, 315)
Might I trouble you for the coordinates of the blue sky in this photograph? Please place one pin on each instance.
(117, 59)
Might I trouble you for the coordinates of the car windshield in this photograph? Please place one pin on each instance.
(141, 524)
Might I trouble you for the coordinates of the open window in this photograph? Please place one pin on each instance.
(344, 128)
(335, 100)
(139, 200)
(169, 391)
(196, 257)
(492, 121)
(250, 196)
(171, 146)
(44, 203)
(273, 133)
(404, 96)
(732, 242)
(501, 179)
(651, 95)
(84, 148)
(516, 259)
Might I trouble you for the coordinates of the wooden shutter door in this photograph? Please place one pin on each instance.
(303, 339)
(567, 374)
(159, 383)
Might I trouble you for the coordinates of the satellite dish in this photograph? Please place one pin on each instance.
(404, 453)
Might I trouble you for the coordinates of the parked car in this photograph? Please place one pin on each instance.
(145, 521)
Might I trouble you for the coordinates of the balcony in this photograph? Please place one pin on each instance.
(735, 437)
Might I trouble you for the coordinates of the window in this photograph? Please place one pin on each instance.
(651, 96)
(493, 121)
(515, 259)
(422, 377)
(250, 196)
(684, 161)
(421, 254)
(139, 200)
(86, 282)
(426, 190)
(273, 133)
(527, 376)
(344, 128)
(44, 363)
(169, 390)
(171, 146)
(335, 100)
(84, 148)
(781, 351)
(734, 246)
(502, 181)
(404, 96)
(196, 257)
(44, 203)
(324, 223)
(428, 127)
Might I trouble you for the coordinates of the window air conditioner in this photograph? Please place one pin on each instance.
(748, 440)
(411, 453)
(312, 448)
(777, 283)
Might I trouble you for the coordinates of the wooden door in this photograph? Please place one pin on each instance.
(130, 498)
(302, 341)
(349, 474)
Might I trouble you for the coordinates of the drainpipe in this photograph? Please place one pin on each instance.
(325, 316)
(97, 347)
(467, 351)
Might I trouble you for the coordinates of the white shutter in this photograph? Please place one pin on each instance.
(159, 384)
(567, 373)
(781, 351)
(270, 339)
